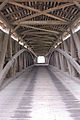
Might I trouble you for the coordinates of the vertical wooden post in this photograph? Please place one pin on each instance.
(20, 64)
(77, 42)
(3, 50)
(24, 60)
(66, 49)
(57, 59)
(73, 52)
(10, 53)
(15, 66)
(72, 46)
(61, 62)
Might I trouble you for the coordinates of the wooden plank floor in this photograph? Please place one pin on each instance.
(39, 95)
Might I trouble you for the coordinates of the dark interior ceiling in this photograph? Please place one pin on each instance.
(40, 23)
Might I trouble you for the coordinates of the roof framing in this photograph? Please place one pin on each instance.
(39, 23)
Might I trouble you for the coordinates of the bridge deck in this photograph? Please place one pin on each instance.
(39, 95)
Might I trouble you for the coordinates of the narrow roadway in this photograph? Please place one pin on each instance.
(38, 95)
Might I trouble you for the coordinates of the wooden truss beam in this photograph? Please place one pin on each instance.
(44, 36)
(38, 12)
(36, 33)
(3, 4)
(41, 29)
(54, 22)
(10, 27)
(15, 28)
(76, 3)
(41, 39)
(39, 0)
(38, 42)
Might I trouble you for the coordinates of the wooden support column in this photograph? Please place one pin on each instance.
(72, 48)
(54, 60)
(15, 66)
(3, 50)
(1, 39)
(9, 48)
(51, 59)
(19, 60)
(73, 53)
(66, 49)
(24, 60)
(29, 60)
(57, 59)
(61, 62)
(35, 60)
(77, 42)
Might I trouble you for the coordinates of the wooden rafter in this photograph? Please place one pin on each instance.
(15, 29)
(76, 3)
(45, 12)
(39, 0)
(36, 28)
(41, 36)
(3, 4)
(41, 39)
(38, 41)
(43, 22)
(37, 33)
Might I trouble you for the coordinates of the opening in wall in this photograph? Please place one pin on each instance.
(41, 59)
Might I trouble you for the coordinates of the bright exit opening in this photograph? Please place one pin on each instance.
(41, 59)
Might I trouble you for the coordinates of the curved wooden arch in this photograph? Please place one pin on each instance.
(10, 63)
(69, 58)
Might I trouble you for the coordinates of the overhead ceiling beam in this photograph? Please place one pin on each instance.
(38, 42)
(3, 4)
(43, 36)
(45, 12)
(41, 45)
(36, 28)
(39, 0)
(48, 22)
(13, 13)
(51, 38)
(15, 28)
(35, 32)
(40, 39)
(76, 3)
(39, 36)
(9, 26)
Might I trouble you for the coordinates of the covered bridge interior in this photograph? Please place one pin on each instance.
(33, 28)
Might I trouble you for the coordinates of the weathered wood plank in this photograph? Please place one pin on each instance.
(50, 22)
(40, 0)
(45, 12)
(76, 3)
(3, 4)
(4, 72)
(41, 29)
(70, 59)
